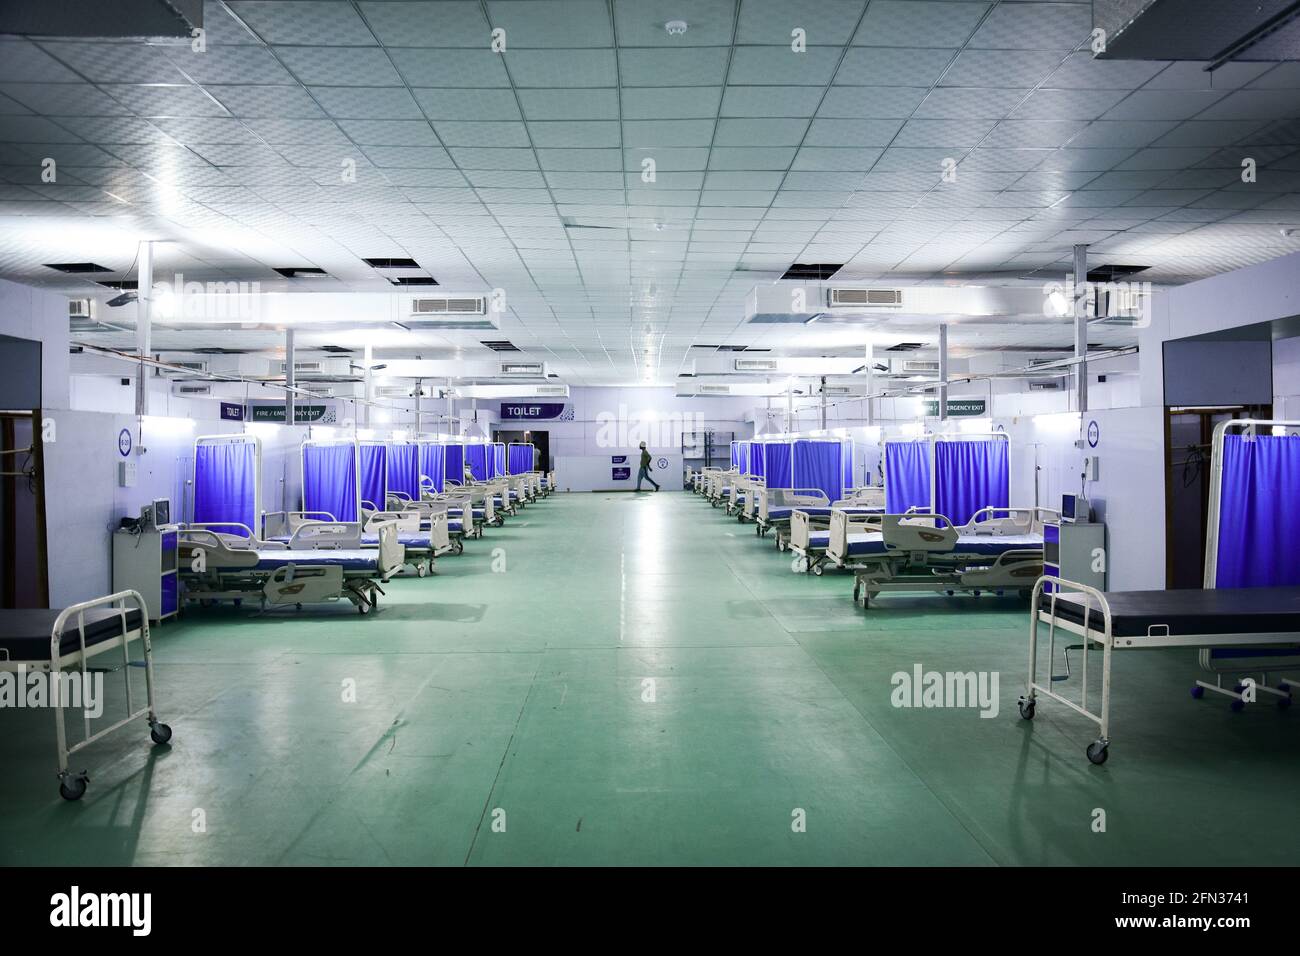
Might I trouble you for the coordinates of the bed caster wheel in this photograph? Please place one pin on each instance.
(780, 544)
(73, 788)
(363, 606)
(421, 570)
(1198, 692)
(857, 594)
(976, 593)
(1098, 752)
(458, 548)
(1027, 713)
(1237, 706)
(817, 570)
(160, 733)
(950, 593)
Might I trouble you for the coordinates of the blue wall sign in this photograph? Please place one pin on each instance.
(621, 474)
(232, 412)
(618, 459)
(124, 442)
(534, 411)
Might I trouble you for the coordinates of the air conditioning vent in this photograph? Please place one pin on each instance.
(715, 389)
(561, 391)
(755, 365)
(302, 368)
(920, 365)
(191, 390)
(864, 298)
(81, 309)
(1045, 385)
(402, 391)
(182, 368)
(529, 369)
(448, 306)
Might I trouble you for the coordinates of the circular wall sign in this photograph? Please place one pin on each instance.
(663, 462)
(1094, 434)
(124, 442)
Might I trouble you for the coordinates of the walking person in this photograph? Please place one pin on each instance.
(644, 471)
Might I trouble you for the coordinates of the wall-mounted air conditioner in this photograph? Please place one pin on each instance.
(302, 368)
(756, 365)
(553, 391)
(186, 368)
(402, 391)
(918, 366)
(446, 305)
(81, 309)
(714, 390)
(526, 369)
(864, 298)
(191, 391)
(1045, 385)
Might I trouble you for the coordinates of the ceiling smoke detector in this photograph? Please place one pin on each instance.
(675, 28)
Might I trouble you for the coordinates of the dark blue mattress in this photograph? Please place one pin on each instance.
(407, 539)
(25, 633)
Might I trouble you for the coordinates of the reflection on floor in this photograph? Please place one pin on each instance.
(644, 682)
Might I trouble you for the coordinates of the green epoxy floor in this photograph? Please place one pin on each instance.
(521, 691)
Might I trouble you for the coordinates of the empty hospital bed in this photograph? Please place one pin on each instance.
(48, 641)
(999, 550)
(1264, 618)
(318, 564)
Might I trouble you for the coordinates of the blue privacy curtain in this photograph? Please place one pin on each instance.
(453, 464)
(498, 459)
(777, 462)
(969, 475)
(433, 464)
(907, 476)
(742, 457)
(374, 475)
(477, 457)
(520, 459)
(735, 455)
(758, 460)
(848, 464)
(817, 464)
(225, 483)
(404, 470)
(1259, 523)
(329, 480)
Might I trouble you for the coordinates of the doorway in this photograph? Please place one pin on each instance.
(24, 580)
(541, 440)
(1189, 435)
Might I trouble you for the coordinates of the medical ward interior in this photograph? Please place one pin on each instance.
(618, 432)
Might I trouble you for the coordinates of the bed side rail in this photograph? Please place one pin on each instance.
(918, 531)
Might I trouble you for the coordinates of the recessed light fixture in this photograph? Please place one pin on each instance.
(76, 268)
(302, 272)
(675, 28)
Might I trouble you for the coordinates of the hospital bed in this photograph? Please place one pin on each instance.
(744, 491)
(999, 549)
(48, 641)
(719, 487)
(423, 530)
(1226, 618)
(323, 561)
(775, 508)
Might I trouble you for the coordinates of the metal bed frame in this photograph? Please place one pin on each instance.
(72, 786)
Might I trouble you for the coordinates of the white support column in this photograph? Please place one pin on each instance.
(144, 326)
(789, 406)
(368, 358)
(943, 372)
(823, 403)
(288, 376)
(1081, 326)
